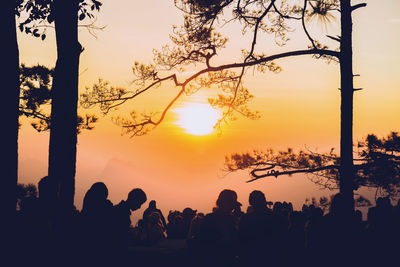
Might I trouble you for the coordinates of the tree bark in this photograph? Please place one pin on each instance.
(346, 107)
(63, 134)
(9, 165)
(10, 94)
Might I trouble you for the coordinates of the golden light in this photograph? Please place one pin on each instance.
(197, 118)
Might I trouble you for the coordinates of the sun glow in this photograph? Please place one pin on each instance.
(197, 118)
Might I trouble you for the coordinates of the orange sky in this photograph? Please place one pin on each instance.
(299, 107)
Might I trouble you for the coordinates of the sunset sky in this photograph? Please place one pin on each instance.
(299, 108)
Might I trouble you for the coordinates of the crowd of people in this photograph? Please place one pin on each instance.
(266, 234)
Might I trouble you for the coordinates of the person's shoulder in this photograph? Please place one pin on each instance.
(209, 217)
(120, 207)
(159, 211)
(258, 217)
(109, 203)
(146, 212)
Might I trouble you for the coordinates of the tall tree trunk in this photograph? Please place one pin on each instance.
(346, 108)
(10, 93)
(63, 134)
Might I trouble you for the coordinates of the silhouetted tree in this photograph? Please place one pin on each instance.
(324, 202)
(36, 83)
(64, 119)
(198, 42)
(35, 13)
(11, 9)
(10, 93)
(377, 165)
(62, 147)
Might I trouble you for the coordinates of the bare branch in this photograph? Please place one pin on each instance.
(358, 6)
(278, 173)
(338, 39)
(304, 25)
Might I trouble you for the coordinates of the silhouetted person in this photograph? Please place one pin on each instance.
(194, 230)
(194, 245)
(95, 199)
(314, 228)
(382, 233)
(341, 235)
(153, 208)
(187, 215)
(175, 226)
(260, 233)
(121, 217)
(31, 233)
(47, 187)
(155, 229)
(96, 224)
(237, 213)
(139, 233)
(295, 241)
(36, 224)
(218, 234)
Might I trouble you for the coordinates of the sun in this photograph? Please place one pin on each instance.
(197, 118)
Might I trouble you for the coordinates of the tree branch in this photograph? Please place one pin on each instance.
(278, 173)
(304, 25)
(358, 6)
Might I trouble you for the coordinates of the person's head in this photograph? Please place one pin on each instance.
(152, 204)
(95, 197)
(189, 213)
(227, 200)
(100, 190)
(257, 200)
(48, 189)
(172, 215)
(338, 204)
(136, 198)
(277, 208)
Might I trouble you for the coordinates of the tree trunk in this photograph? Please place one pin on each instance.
(63, 134)
(10, 95)
(346, 108)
